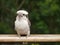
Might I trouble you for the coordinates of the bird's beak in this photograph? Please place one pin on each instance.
(20, 16)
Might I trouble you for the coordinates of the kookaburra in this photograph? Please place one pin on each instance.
(22, 23)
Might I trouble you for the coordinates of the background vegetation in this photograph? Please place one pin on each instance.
(43, 14)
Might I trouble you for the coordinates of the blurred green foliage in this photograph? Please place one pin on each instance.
(43, 14)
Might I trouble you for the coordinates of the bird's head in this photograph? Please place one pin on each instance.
(22, 13)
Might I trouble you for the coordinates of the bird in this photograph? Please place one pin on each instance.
(22, 23)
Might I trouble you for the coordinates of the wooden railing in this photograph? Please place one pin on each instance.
(31, 38)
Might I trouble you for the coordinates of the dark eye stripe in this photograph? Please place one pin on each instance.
(25, 15)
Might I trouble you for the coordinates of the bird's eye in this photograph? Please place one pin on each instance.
(23, 14)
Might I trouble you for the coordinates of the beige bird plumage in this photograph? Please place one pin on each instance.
(22, 23)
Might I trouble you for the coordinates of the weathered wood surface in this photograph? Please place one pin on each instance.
(31, 38)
